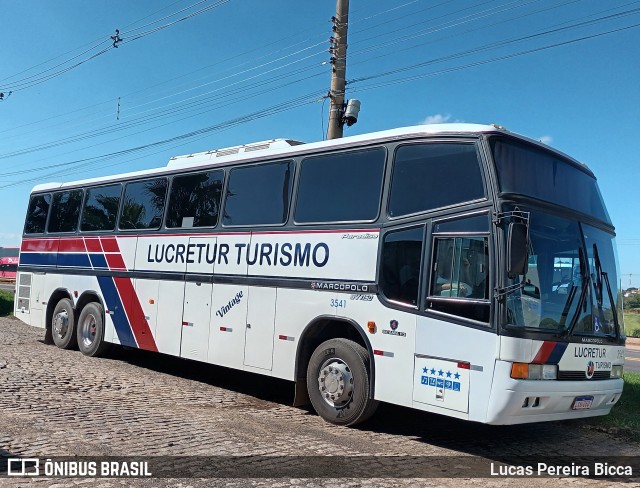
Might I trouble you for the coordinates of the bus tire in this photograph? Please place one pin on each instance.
(91, 330)
(338, 382)
(63, 325)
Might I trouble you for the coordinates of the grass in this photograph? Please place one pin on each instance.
(623, 419)
(6, 303)
(632, 323)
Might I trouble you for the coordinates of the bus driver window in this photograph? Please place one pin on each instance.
(460, 268)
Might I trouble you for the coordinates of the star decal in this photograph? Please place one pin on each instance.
(424, 370)
(448, 374)
(440, 373)
(457, 376)
(433, 371)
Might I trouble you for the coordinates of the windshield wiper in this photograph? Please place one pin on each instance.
(581, 301)
(598, 283)
(603, 277)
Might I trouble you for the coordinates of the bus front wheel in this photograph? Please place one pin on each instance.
(63, 325)
(91, 330)
(338, 382)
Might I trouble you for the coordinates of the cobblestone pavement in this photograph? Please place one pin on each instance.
(55, 402)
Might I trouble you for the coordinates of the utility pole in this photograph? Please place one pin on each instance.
(339, 69)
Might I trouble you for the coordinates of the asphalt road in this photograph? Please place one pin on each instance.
(134, 403)
(632, 358)
(7, 286)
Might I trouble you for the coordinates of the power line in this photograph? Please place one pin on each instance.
(49, 74)
(502, 44)
(235, 74)
(357, 89)
(487, 61)
(235, 100)
(185, 106)
(190, 73)
(272, 110)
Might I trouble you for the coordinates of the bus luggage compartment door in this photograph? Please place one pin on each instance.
(196, 317)
(195, 321)
(261, 316)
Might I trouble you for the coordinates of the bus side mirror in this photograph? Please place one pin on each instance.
(517, 255)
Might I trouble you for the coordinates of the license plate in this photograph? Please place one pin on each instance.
(582, 403)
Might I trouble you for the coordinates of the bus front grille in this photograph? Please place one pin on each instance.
(581, 376)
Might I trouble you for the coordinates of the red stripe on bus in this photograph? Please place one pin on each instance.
(93, 244)
(133, 309)
(40, 245)
(72, 245)
(464, 365)
(544, 352)
(109, 244)
(115, 261)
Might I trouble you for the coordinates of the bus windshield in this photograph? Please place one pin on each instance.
(528, 170)
(571, 286)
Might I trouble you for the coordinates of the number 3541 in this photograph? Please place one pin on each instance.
(338, 303)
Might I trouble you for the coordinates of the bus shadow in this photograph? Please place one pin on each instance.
(498, 443)
(474, 438)
(251, 384)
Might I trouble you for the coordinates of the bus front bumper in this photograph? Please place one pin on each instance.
(523, 401)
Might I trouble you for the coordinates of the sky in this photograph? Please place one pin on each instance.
(195, 75)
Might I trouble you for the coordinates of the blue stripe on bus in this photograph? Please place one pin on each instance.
(98, 261)
(73, 260)
(119, 318)
(557, 352)
(38, 258)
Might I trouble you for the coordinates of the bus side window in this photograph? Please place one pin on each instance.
(143, 204)
(459, 277)
(65, 211)
(434, 175)
(341, 187)
(194, 200)
(400, 270)
(37, 214)
(258, 194)
(101, 208)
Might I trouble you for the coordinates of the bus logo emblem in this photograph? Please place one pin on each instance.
(393, 324)
(591, 368)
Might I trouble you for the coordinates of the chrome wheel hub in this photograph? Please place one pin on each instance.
(335, 382)
(61, 324)
(88, 330)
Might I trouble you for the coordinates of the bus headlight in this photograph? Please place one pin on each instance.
(617, 370)
(524, 371)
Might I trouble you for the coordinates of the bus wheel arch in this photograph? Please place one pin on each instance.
(320, 331)
(61, 320)
(86, 298)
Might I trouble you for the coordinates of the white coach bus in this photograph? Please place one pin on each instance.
(457, 269)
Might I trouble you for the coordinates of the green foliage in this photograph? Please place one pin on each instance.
(632, 301)
(6, 303)
(624, 418)
(632, 324)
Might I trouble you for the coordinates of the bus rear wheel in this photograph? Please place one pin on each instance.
(338, 382)
(63, 325)
(91, 330)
